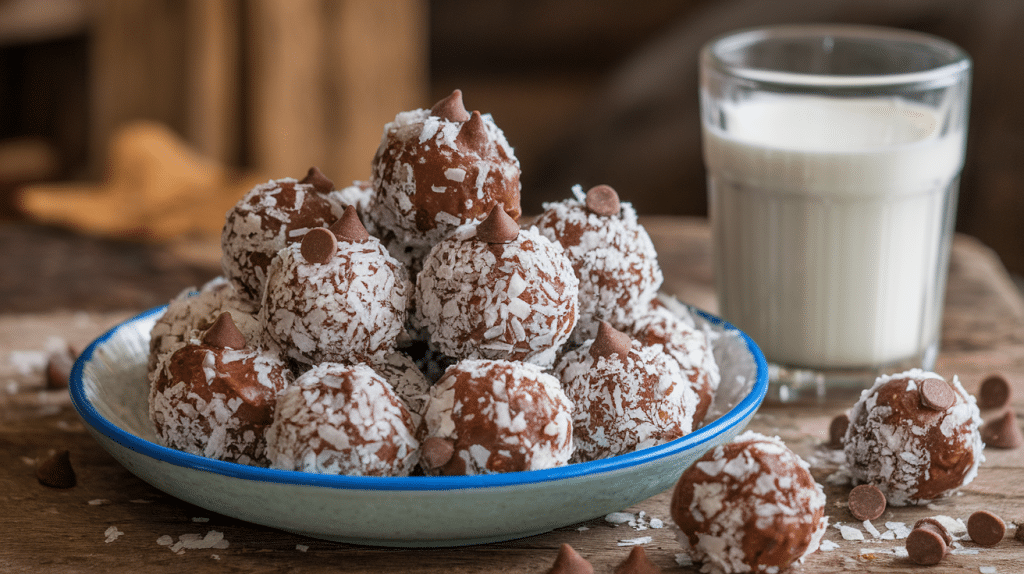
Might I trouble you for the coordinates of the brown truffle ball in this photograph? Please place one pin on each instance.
(687, 344)
(497, 416)
(914, 436)
(612, 256)
(342, 419)
(749, 506)
(438, 169)
(268, 218)
(217, 401)
(514, 299)
(348, 304)
(627, 396)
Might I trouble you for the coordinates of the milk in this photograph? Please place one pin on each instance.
(831, 222)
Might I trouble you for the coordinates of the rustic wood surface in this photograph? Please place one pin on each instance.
(111, 521)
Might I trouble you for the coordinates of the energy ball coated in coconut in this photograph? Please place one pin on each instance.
(749, 506)
(915, 436)
(269, 217)
(627, 396)
(612, 255)
(215, 400)
(489, 416)
(686, 344)
(438, 169)
(338, 300)
(480, 298)
(342, 419)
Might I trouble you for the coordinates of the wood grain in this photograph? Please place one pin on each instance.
(67, 530)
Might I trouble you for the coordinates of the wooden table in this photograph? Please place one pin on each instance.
(114, 522)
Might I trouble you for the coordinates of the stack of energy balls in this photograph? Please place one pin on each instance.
(412, 325)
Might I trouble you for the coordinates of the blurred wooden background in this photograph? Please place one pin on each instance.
(587, 92)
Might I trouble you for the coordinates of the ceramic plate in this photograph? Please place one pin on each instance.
(109, 390)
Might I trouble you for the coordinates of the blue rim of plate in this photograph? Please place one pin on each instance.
(92, 417)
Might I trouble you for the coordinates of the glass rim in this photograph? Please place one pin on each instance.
(956, 68)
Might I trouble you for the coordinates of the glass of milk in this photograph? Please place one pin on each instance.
(833, 156)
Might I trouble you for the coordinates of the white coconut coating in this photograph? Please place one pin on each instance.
(342, 419)
(515, 301)
(408, 382)
(501, 416)
(627, 403)
(352, 307)
(749, 506)
(613, 257)
(914, 454)
(429, 181)
(217, 402)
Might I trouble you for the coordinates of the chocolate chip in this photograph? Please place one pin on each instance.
(498, 227)
(986, 528)
(56, 471)
(994, 392)
(866, 502)
(58, 368)
(926, 545)
(569, 561)
(451, 108)
(837, 431)
(637, 563)
(224, 334)
(1018, 535)
(473, 133)
(435, 452)
(602, 200)
(318, 180)
(937, 527)
(936, 394)
(610, 341)
(349, 227)
(1002, 432)
(319, 245)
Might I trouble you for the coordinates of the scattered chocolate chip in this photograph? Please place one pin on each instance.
(451, 108)
(866, 502)
(610, 341)
(1002, 432)
(837, 431)
(473, 133)
(319, 245)
(224, 334)
(602, 200)
(349, 227)
(319, 181)
(926, 545)
(994, 392)
(937, 527)
(1019, 534)
(986, 528)
(936, 394)
(56, 471)
(436, 451)
(570, 562)
(637, 563)
(58, 368)
(498, 227)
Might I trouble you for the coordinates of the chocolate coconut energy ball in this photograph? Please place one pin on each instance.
(627, 396)
(914, 436)
(493, 291)
(611, 253)
(342, 419)
(215, 398)
(441, 168)
(269, 217)
(749, 506)
(488, 416)
(336, 296)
